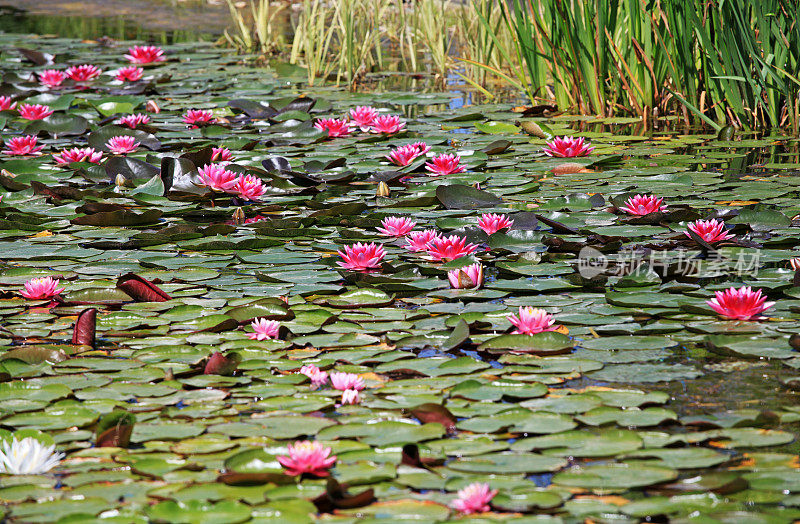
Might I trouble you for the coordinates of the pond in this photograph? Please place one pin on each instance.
(233, 279)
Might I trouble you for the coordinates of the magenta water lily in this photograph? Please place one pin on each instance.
(568, 147)
(711, 231)
(362, 257)
(307, 457)
(532, 320)
(396, 226)
(641, 205)
(744, 303)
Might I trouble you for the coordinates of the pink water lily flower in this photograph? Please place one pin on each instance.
(52, 77)
(122, 144)
(129, 74)
(422, 147)
(34, 111)
(41, 288)
(146, 54)
(449, 248)
(568, 147)
(361, 257)
(22, 146)
(133, 121)
(264, 329)
(6, 103)
(221, 155)
(396, 226)
(641, 205)
(709, 230)
(445, 164)
(343, 381)
(334, 127)
(307, 457)
(193, 117)
(387, 124)
(467, 277)
(318, 377)
(350, 396)
(217, 178)
(474, 498)
(77, 154)
(419, 240)
(404, 155)
(83, 73)
(739, 304)
(532, 320)
(362, 117)
(492, 223)
(794, 263)
(249, 187)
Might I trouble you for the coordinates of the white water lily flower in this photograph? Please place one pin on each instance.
(28, 457)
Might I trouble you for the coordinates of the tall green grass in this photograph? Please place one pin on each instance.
(723, 61)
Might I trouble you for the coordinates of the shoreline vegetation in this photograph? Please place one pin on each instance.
(706, 63)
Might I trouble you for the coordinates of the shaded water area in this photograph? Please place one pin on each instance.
(643, 404)
(154, 21)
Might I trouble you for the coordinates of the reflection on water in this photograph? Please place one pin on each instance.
(14, 20)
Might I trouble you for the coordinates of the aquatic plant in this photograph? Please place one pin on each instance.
(34, 111)
(78, 154)
(264, 329)
(445, 164)
(41, 288)
(144, 54)
(28, 456)
(362, 257)
(307, 457)
(122, 144)
(532, 320)
(709, 230)
(474, 498)
(129, 74)
(83, 72)
(22, 146)
(52, 77)
(443, 249)
(396, 226)
(466, 277)
(568, 147)
(492, 223)
(739, 304)
(641, 205)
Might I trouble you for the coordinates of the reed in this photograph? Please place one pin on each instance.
(261, 35)
(312, 39)
(359, 37)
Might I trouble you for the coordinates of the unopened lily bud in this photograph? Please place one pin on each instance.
(152, 107)
(120, 180)
(383, 189)
(238, 216)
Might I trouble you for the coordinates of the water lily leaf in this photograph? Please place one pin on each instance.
(58, 124)
(120, 217)
(494, 128)
(458, 196)
(614, 476)
(196, 512)
(509, 463)
(130, 168)
(545, 343)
